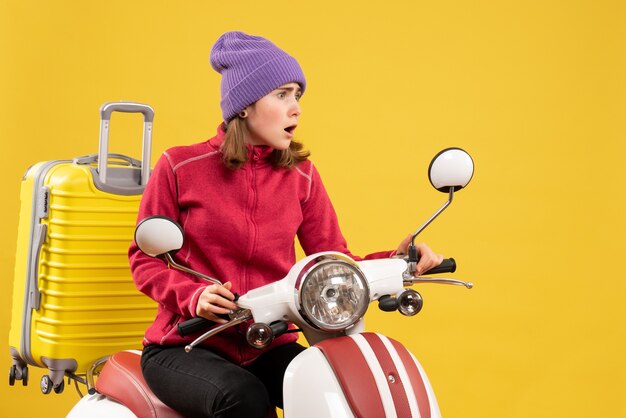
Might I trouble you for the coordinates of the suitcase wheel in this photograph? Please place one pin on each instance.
(18, 374)
(12, 375)
(46, 384)
(60, 387)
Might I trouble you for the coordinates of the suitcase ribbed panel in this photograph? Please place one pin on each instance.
(89, 304)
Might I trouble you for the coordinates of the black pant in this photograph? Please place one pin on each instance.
(203, 384)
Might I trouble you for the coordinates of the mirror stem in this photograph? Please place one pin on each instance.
(177, 266)
(432, 218)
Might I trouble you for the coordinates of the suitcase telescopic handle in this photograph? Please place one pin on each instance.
(127, 107)
(105, 118)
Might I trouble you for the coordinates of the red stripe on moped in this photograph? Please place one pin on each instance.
(354, 376)
(417, 382)
(392, 377)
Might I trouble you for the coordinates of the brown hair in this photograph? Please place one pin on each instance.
(234, 153)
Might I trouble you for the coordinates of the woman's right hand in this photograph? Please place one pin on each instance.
(216, 300)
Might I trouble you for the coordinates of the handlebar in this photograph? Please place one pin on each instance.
(448, 265)
(199, 324)
(194, 325)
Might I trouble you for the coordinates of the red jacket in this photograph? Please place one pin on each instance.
(239, 226)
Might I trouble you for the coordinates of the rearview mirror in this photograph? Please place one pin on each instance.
(451, 168)
(158, 235)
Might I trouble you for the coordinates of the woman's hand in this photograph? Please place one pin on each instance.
(216, 300)
(428, 258)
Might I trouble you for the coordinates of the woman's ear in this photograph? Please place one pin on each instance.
(244, 113)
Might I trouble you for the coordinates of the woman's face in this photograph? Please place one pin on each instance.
(273, 119)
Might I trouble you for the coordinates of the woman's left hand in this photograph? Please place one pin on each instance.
(428, 258)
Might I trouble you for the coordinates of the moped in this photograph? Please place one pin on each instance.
(345, 372)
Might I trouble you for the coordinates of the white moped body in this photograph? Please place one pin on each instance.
(99, 406)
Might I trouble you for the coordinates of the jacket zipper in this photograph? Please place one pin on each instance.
(251, 209)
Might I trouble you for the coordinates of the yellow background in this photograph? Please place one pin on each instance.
(534, 90)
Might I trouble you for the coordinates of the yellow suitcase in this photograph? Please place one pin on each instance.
(74, 300)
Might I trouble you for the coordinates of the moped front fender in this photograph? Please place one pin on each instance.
(362, 375)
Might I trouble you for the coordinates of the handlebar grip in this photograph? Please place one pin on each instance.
(279, 328)
(193, 325)
(448, 265)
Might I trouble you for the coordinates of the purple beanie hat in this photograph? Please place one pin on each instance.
(251, 67)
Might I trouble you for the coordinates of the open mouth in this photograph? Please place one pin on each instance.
(291, 129)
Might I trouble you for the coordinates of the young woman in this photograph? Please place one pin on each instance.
(241, 198)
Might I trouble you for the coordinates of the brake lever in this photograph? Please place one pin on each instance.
(408, 280)
(239, 316)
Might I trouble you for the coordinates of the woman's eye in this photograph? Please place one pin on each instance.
(298, 96)
(281, 95)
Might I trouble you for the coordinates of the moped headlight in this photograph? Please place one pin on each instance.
(332, 293)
